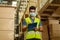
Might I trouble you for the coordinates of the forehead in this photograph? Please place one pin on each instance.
(32, 10)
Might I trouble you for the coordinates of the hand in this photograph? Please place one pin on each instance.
(36, 29)
(41, 29)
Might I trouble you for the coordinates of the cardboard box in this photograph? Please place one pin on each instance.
(54, 30)
(6, 35)
(55, 38)
(53, 27)
(56, 26)
(6, 24)
(53, 21)
(55, 33)
(7, 12)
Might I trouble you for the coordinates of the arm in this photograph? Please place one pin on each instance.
(24, 27)
(40, 28)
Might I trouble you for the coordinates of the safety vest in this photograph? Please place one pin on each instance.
(32, 34)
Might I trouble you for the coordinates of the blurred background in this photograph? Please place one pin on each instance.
(12, 12)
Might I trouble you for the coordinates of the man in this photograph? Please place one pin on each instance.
(32, 35)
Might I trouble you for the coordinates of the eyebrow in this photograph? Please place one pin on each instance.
(32, 11)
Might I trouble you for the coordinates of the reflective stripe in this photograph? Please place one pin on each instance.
(33, 34)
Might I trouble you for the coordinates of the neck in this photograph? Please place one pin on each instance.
(32, 17)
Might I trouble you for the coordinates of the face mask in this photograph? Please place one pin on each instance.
(32, 14)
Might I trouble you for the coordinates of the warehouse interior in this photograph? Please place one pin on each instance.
(12, 12)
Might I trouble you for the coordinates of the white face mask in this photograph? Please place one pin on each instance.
(32, 14)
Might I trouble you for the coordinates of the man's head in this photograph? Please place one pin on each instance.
(32, 11)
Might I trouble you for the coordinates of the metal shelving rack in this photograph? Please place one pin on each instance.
(21, 7)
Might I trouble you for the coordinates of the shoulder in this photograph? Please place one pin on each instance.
(26, 19)
(37, 18)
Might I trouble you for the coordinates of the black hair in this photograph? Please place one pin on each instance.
(32, 7)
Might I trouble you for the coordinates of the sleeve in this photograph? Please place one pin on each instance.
(40, 24)
(24, 22)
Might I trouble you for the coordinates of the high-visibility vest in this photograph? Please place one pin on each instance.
(32, 34)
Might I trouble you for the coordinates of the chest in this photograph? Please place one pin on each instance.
(32, 21)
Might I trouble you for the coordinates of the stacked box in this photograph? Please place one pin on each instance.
(54, 31)
(7, 24)
(6, 35)
(55, 38)
(7, 12)
(7, 15)
(53, 21)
